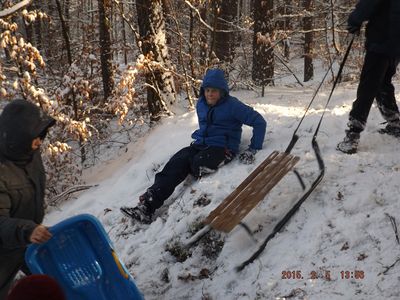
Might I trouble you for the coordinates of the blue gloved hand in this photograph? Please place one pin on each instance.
(248, 156)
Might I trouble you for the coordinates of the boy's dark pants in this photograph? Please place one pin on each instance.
(189, 160)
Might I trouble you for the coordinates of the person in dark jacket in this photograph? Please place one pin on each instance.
(23, 126)
(380, 63)
(215, 143)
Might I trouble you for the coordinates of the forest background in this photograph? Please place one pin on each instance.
(106, 66)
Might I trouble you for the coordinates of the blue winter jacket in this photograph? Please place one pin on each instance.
(221, 125)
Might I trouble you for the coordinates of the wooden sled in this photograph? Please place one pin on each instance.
(247, 195)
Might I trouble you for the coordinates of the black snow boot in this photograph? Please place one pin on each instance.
(142, 213)
(392, 128)
(350, 142)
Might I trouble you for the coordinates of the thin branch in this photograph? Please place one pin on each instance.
(218, 18)
(394, 225)
(389, 267)
(128, 22)
(198, 14)
(67, 192)
(13, 9)
(283, 63)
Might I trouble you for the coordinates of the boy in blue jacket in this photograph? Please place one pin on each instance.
(215, 143)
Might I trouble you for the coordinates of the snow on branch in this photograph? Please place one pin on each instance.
(199, 15)
(208, 26)
(13, 9)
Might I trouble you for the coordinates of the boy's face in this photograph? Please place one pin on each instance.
(212, 95)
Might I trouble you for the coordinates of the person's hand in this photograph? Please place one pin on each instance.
(40, 235)
(353, 29)
(248, 157)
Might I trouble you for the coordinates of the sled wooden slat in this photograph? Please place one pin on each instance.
(251, 191)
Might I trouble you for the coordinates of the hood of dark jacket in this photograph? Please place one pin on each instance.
(215, 78)
(20, 123)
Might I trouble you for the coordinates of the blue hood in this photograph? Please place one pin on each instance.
(215, 78)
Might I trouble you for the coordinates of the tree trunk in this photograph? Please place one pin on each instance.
(124, 35)
(161, 89)
(105, 47)
(203, 38)
(308, 41)
(49, 34)
(285, 26)
(263, 54)
(38, 28)
(226, 12)
(65, 32)
(28, 32)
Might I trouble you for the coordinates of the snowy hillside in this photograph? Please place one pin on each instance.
(343, 226)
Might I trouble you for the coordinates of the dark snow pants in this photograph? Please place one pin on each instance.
(375, 83)
(196, 160)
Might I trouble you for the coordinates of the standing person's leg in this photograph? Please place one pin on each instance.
(371, 79)
(6, 279)
(387, 101)
(207, 161)
(9, 267)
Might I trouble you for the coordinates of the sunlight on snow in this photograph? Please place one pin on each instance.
(298, 111)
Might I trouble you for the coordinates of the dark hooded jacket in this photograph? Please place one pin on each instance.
(22, 176)
(383, 28)
(221, 125)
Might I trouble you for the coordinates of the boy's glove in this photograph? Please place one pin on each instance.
(248, 157)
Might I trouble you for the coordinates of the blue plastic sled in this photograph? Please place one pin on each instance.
(80, 256)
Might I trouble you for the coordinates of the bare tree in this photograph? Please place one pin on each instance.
(65, 32)
(285, 25)
(105, 47)
(263, 55)
(225, 14)
(308, 41)
(161, 86)
(203, 37)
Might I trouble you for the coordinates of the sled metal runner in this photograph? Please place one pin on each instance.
(256, 186)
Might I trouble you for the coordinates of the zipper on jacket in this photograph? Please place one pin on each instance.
(209, 122)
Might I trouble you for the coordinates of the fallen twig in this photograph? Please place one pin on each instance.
(67, 192)
(394, 225)
(389, 267)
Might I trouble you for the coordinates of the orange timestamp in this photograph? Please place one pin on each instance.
(325, 274)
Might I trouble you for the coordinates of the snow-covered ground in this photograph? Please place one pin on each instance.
(343, 226)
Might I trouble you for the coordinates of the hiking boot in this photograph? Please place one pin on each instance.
(142, 212)
(350, 143)
(392, 128)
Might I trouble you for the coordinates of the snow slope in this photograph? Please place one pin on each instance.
(343, 226)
